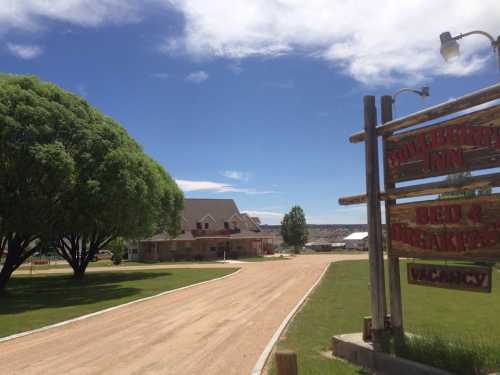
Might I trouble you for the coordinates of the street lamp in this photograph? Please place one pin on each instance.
(423, 92)
(450, 47)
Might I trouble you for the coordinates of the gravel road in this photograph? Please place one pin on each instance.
(218, 328)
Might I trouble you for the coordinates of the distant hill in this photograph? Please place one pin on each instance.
(320, 232)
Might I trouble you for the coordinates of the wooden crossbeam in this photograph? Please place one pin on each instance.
(467, 101)
(433, 188)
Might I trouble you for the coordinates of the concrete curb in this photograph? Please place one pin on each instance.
(261, 362)
(100, 312)
(352, 348)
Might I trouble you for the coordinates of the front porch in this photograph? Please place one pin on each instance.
(205, 248)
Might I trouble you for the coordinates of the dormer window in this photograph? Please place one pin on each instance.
(198, 225)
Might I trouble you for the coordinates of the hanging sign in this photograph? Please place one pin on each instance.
(466, 143)
(447, 229)
(477, 279)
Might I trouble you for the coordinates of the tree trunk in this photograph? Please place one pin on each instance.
(79, 272)
(5, 275)
(78, 257)
(16, 255)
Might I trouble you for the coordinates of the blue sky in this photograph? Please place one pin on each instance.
(251, 100)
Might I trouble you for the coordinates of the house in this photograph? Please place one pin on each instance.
(210, 229)
(357, 241)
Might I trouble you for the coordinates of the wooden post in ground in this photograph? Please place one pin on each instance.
(396, 306)
(376, 256)
(286, 362)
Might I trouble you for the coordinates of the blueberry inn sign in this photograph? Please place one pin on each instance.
(447, 219)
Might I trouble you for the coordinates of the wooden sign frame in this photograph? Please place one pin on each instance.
(470, 141)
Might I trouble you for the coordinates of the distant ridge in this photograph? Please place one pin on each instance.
(321, 232)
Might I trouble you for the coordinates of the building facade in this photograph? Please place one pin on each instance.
(210, 229)
(357, 241)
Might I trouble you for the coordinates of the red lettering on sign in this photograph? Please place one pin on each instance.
(474, 213)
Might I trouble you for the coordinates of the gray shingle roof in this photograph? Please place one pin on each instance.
(220, 210)
(215, 212)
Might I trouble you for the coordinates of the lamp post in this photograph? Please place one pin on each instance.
(450, 47)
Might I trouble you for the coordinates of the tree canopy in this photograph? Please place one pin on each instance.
(72, 176)
(294, 228)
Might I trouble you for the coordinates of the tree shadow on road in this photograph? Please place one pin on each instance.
(37, 292)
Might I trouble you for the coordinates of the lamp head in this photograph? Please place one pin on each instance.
(449, 46)
(425, 91)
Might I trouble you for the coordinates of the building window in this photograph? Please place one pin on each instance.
(198, 226)
(226, 225)
(213, 248)
(206, 225)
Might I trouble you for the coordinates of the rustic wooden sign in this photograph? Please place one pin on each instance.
(477, 279)
(447, 229)
(466, 143)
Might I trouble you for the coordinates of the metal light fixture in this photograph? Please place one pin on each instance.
(423, 92)
(450, 47)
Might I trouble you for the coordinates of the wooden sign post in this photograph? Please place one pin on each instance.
(394, 269)
(467, 228)
(376, 255)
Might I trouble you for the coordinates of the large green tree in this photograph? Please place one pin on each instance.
(36, 171)
(72, 176)
(294, 228)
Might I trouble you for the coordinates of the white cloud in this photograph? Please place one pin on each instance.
(197, 77)
(375, 43)
(217, 187)
(31, 14)
(24, 51)
(379, 42)
(237, 175)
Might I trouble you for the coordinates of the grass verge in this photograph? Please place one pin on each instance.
(458, 356)
(341, 301)
(34, 302)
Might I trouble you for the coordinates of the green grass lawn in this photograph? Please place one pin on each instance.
(341, 301)
(34, 302)
(125, 263)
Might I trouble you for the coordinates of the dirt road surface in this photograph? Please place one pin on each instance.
(218, 328)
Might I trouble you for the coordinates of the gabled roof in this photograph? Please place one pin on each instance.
(357, 236)
(219, 209)
(251, 224)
